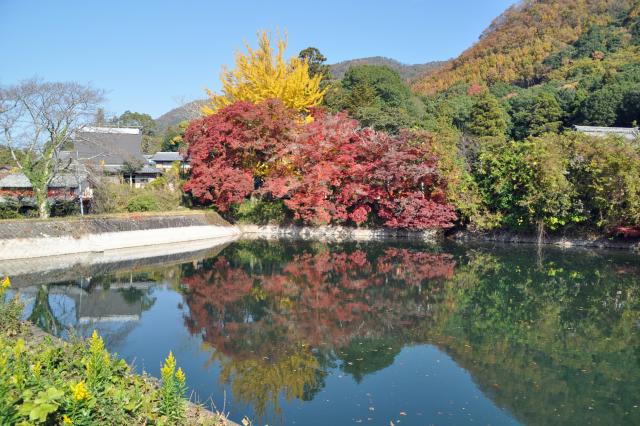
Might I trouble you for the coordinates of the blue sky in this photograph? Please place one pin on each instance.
(148, 55)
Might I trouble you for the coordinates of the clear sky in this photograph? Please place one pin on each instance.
(149, 55)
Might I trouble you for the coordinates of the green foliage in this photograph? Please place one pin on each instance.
(487, 117)
(601, 106)
(109, 197)
(10, 310)
(65, 208)
(606, 175)
(259, 211)
(172, 139)
(10, 209)
(49, 382)
(535, 114)
(143, 203)
(525, 183)
(377, 96)
(136, 119)
(316, 61)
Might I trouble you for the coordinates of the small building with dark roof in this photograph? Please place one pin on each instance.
(165, 159)
(629, 133)
(66, 186)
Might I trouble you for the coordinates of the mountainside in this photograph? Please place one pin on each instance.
(188, 111)
(407, 72)
(191, 110)
(515, 47)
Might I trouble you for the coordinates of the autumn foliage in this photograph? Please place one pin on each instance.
(263, 74)
(329, 171)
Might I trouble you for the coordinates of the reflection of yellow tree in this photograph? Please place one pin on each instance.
(260, 382)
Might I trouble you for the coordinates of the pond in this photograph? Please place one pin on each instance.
(309, 333)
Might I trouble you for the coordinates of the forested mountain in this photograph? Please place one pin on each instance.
(519, 46)
(407, 72)
(188, 111)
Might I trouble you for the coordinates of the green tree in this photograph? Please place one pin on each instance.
(533, 115)
(136, 119)
(151, 140)
(601, 106)
(526, 183)
(38, 119)
(316, 61)
(629, 114)
(487, 117)
(378, 97)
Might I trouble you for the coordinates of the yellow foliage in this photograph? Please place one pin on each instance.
(513, 48)
(263, 74)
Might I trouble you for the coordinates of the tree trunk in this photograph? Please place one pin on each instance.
(42, 202)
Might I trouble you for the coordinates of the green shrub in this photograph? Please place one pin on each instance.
(143, 203)
(10, 209)
(606, 175)
(258, 211)
(65, 208)
(109, 197)
(525, 183)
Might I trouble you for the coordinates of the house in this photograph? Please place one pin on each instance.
(66, 186)
(629, 133)
(114, 151)
(165, 160)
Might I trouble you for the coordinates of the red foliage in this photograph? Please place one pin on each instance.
(325, 298)
(475, 89)
(227, 146)
(328, 171)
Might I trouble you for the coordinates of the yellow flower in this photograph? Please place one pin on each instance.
(66, 420)
(169, 367)
(6, 283)
(181, 377)
(80, 392)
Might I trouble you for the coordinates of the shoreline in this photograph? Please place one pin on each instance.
(110, 239)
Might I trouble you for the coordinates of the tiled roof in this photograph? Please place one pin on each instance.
(167, 156)
(109, 147)
(19, 180)
(149, 170)
(625, 132)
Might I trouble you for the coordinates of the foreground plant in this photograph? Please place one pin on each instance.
(45, 381)
(172, 391)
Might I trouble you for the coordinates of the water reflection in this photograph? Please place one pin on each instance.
(547, 340)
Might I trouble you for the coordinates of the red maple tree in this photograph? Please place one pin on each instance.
(330, 171)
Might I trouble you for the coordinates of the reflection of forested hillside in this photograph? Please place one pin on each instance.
(553, 339)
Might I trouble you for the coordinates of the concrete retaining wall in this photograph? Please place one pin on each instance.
(22, 248)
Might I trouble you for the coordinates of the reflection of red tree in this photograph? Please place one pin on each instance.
(319, 299)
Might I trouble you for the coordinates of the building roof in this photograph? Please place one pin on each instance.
(167, 156)
(146, 169)
(626, 132)
(110, 146)
(113, 130)
(19, 180)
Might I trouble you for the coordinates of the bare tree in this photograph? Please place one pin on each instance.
(37, 120)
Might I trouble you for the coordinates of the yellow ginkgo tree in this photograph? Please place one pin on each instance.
(262, 74)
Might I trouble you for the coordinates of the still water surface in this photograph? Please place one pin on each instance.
(332, 334)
